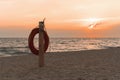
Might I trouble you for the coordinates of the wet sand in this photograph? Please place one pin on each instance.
(78, 65)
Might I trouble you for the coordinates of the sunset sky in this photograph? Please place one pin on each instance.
(64, 18)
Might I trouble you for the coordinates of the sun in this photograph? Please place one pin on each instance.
(93, 22)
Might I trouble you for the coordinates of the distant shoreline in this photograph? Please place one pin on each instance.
(25, 53)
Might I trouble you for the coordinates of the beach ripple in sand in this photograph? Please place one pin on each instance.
(80, 65)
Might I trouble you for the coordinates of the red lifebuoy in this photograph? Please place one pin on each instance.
(31, 41)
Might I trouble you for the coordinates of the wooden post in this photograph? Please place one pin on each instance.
(41, 44)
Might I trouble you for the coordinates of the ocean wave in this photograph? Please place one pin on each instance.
(18, 46)
(13, 47)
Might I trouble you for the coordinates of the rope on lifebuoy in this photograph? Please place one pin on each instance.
(31, 41)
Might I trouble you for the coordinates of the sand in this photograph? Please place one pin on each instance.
(78, 65)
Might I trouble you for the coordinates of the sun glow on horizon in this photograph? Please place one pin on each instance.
(93, 22)
(71, 17)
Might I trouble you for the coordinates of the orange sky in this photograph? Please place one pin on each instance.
(64, 18)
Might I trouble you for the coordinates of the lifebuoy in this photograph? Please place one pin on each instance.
(31, 41)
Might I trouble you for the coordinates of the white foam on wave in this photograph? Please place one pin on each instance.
(4, 55)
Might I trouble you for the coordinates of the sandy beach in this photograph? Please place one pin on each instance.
(78, 65)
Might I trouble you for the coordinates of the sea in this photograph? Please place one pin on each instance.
(19, 46)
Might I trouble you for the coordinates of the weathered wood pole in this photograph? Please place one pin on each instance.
(41, 44)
